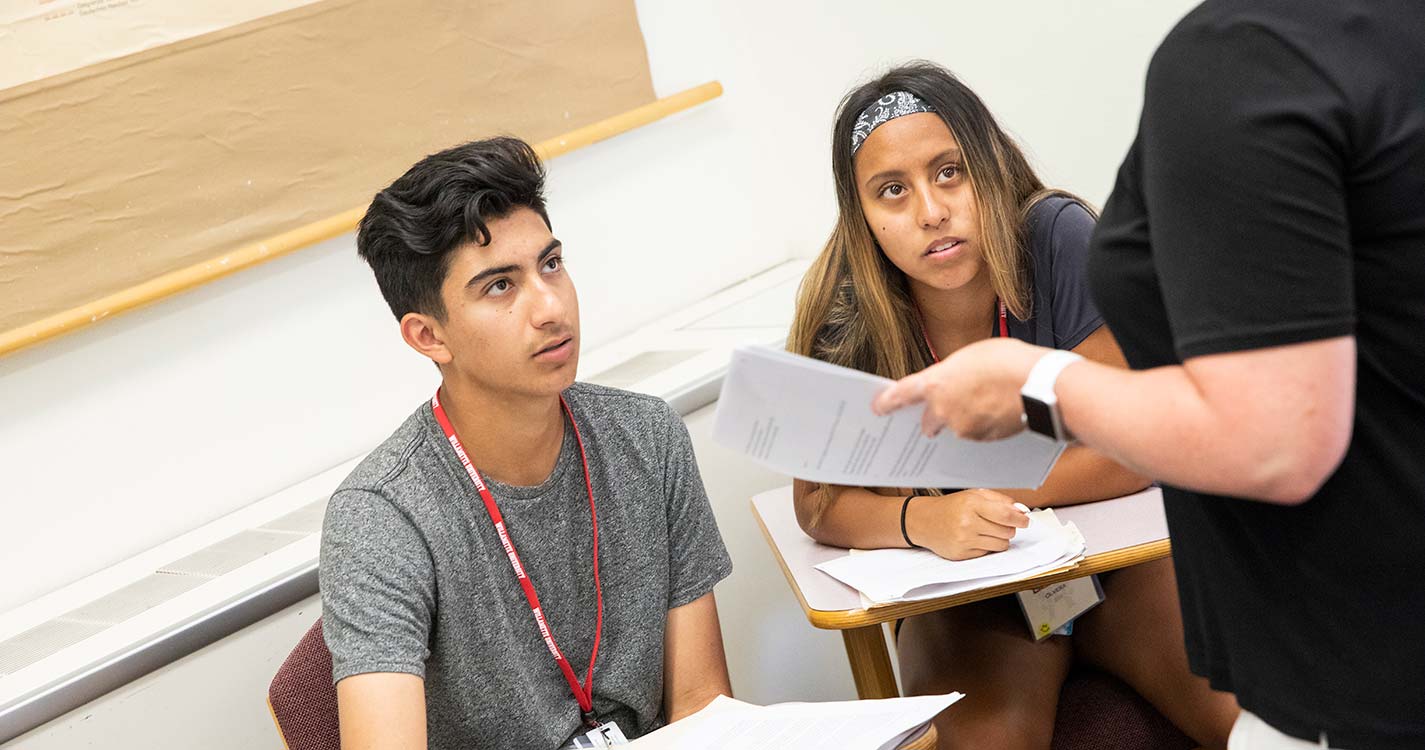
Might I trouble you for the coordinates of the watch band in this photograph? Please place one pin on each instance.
(1040, 383)
(1041, 404)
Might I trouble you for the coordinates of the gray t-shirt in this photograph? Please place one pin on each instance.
(414, 579)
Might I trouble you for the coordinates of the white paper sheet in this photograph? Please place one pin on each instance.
(846, 725)
(938, 590)
(813, 420)
(897, 574)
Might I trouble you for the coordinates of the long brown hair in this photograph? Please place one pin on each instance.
(854, 307)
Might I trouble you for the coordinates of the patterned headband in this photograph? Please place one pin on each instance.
(883, 110)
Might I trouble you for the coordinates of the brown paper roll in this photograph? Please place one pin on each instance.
(131, 179)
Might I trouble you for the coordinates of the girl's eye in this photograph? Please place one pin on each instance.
(892, 191)
(949, 172)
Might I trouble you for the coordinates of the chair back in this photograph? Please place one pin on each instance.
(302, 698)
(1097, 710)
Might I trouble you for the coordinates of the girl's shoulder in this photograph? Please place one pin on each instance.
(1049, 210)
(1056, 222)
(1058, 229)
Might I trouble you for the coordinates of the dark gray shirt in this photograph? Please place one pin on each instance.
(414, 579)
(1057, 232)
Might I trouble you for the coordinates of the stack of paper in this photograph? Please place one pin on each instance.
(890, 575)
(813, 420)
(846, 725)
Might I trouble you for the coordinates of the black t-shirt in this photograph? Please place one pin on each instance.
(1275, 194)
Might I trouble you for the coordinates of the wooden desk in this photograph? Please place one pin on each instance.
(924, 741)
(1119, 533)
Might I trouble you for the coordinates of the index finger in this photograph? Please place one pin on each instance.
(900, 394)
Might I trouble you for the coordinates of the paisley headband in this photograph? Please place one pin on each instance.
(883, 110)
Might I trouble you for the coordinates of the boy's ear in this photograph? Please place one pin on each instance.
(425, 334)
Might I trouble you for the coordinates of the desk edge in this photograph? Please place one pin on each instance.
(1102, 562)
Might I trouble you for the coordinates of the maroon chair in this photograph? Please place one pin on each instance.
(302, 698)
(1097, 710)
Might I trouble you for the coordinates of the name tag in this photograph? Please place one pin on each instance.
(604, 736)
(1052, 609)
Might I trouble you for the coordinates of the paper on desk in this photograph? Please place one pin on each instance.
(846, 725)
(889, 574)
(813, 420)
(938, 590)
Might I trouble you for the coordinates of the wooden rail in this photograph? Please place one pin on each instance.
(290, 241)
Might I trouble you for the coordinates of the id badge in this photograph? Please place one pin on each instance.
(601, 737)
(1052, 609)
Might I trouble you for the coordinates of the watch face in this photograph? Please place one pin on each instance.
(1039, 417)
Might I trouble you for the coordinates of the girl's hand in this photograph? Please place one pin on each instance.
(965, 524)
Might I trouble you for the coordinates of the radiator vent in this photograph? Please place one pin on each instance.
(41, 641)
(230, 554)
(770, 308)
(304, 520)
(133, 599)
(176, 578)
(641, 367)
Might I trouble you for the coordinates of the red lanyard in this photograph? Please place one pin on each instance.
(1003, 330)
(584, 693)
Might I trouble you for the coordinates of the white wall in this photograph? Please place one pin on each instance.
(139, 428)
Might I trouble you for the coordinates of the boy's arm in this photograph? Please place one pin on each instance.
(382, 711)
(378, 592)
(694, 666)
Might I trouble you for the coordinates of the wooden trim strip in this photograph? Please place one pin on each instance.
(282, 735)
(924, 740)
(1100, 563)
(248, 256)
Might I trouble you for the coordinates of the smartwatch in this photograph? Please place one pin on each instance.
(1041, 406)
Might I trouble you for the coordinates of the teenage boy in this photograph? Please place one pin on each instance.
(527, 562)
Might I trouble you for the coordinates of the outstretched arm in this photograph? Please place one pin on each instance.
(1268, 424)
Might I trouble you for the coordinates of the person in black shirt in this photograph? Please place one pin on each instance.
(1262, 263)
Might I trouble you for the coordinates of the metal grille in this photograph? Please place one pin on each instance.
(641, 367)
(41, 641)
(230, 554)
(306, 519)
(771, 308)
(135, 598)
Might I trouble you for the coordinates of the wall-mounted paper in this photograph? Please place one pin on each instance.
(119, 172)
(42, 38)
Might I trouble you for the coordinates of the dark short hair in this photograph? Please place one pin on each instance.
(441, 203)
